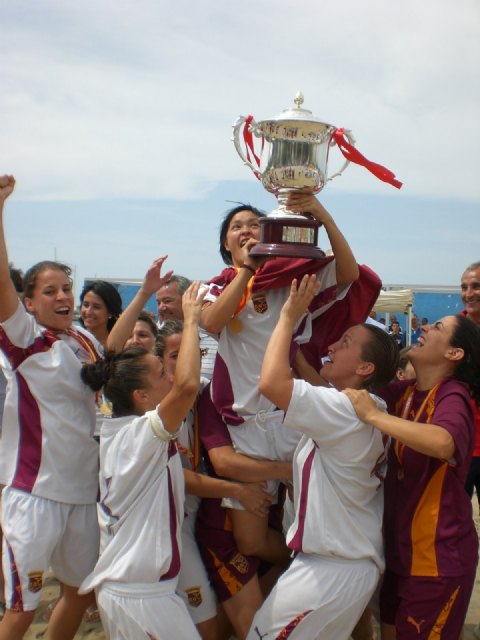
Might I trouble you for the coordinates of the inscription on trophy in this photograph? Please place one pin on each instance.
(298, 234)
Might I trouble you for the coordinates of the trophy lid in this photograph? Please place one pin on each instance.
(297, 113)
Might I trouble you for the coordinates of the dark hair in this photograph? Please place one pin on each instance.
(145, 316)
(169, 328)
(110, 296)
(30, 278)
(466, 336)
(226, 255)
(382, 352)
(119, 374)
(16, 276)
(403, 358)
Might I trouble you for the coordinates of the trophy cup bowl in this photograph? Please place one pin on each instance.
(294, 157)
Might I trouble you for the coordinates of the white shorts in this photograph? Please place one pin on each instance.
(193, 584)
(141, 612)
(265, 437)
(316, 597)
(39, 533)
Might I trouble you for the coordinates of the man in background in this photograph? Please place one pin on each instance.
(169, 305)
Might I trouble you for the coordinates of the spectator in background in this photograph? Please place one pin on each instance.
(416, 331)
(169, 305)
(424, 321)
(372, 319)
(169, 298)
(470, 292)
(393, 320)
(100, 306)
(396, 334)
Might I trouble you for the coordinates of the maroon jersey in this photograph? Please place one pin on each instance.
(429, 530)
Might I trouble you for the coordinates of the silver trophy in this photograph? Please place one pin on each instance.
(295, 148)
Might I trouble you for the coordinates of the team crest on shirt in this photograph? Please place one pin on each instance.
(194, 596)
(35, 579)
(240, 563)
(260, 303)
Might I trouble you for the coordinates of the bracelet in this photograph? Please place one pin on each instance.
(247, 266)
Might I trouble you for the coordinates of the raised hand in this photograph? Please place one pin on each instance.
(192, 302)
(301, 295)
(153, 279)
(304, 202)
(7, 185)
(362, 402)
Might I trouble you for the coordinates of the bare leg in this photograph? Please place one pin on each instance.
(269, 579)
(2, 580)
(68, 613)
(15, 624)
(388, 631)
(254, 537)
(243, 606)
(218, 628)
(364, 628)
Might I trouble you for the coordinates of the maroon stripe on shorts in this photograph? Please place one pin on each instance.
(16, 601)
(296, 541)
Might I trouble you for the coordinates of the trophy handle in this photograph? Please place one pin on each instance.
(249, 126)
(352, 141)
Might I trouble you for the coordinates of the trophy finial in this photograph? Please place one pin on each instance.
(299, 99)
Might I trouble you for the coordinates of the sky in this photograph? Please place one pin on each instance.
(116, 120)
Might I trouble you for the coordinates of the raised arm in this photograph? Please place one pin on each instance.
(430, 439)
(8, 294)
(346, 265)
(186, 383)
(276, 378)
(123, 328)
(215, 315)
(308, 373)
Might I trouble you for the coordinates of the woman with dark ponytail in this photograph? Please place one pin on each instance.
(142, 487)
(430, 539)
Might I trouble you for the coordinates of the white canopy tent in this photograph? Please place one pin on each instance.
(400, 300)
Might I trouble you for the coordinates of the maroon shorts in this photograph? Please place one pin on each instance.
(418, 605)
(228, 569)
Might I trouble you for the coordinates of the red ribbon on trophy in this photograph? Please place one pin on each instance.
(248, 138)
(348, 150)
(353, 155)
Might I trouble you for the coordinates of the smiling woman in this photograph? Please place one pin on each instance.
(433, 430)
(100, 308)
(48, 458)
(48, 294)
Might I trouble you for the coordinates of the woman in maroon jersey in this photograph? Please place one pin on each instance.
(431, 543)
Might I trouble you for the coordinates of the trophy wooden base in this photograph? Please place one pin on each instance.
(288, 237)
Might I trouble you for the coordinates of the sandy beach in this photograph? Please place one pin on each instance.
(94, 631)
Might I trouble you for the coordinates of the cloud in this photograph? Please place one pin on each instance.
(136, 100)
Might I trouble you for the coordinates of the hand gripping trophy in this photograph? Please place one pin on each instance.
(294, 155)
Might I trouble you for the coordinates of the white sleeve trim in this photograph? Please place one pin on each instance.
(157, 427)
